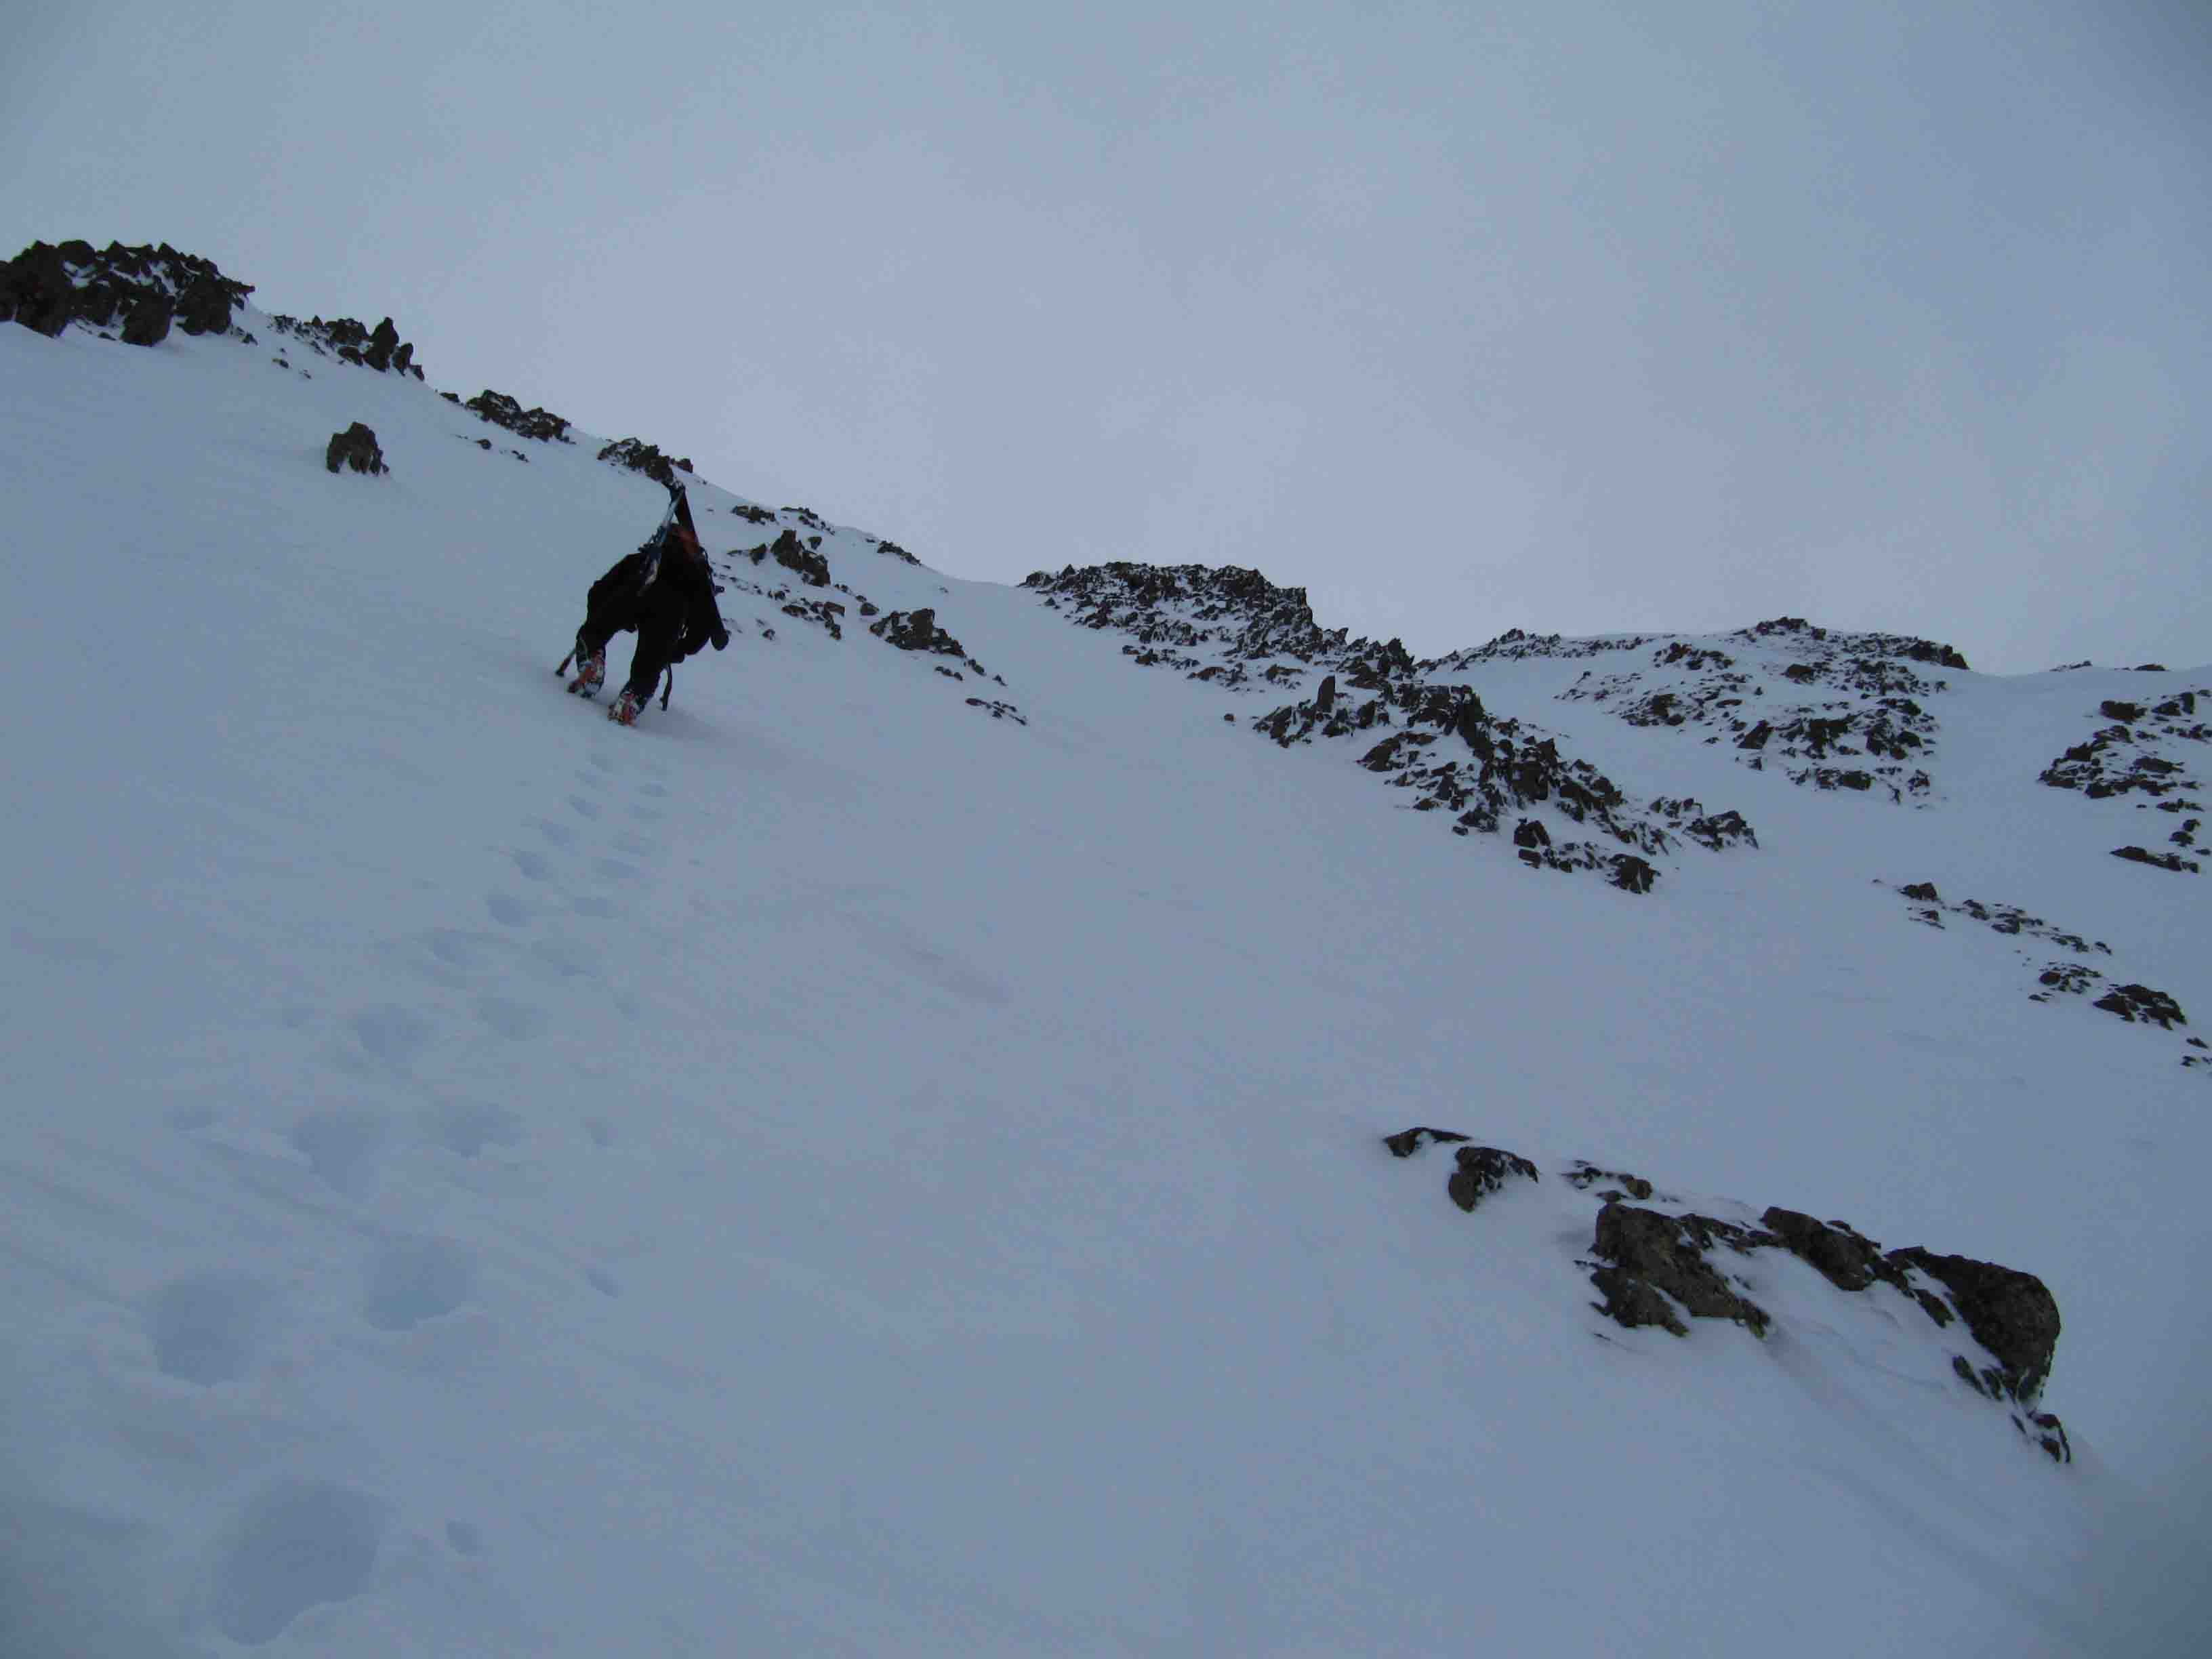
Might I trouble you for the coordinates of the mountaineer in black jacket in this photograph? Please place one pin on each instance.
(666, 591)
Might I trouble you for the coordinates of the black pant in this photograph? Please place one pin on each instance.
(658, 615)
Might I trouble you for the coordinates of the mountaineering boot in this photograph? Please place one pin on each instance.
(623, 710)
(591, 668)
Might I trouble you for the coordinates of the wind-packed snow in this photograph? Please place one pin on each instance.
(833, 1172)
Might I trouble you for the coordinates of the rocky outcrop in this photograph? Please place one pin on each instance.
(1480, 1170)
(46, 288)
(506, 412)
(2143, 752)
(1455, 756)
(918, 631)
(2139, 1002)
(1873, 731)
(1406, 1142)
(2011, 1314)
(2173, 861)
(805, 561)
(1655, 1263)
(352, 341)
(356, 447)
(2056, 980)
(1232, 629)
(1582, 1175)
(641, 457)
(1477, 1171)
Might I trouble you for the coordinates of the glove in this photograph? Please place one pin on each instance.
(722, 638)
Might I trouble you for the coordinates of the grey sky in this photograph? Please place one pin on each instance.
(1552, 315)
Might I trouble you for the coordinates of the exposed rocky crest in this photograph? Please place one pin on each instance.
(1873, 730)
(143, 289)
(639, 456)
(506, 412)
(352, 341)
(2143, 750)
(1491, 776)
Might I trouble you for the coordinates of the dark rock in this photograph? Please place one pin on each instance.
(1633, 874)
(356, 447)
(916, 631)
(1584, 1175)
(37, 291)
(1530, 836)
(147, 324)
(1406, 1142)
(2053, 1437)
(2011, 1314)
(2126, 712)
(641, 457)
(811, 567)
(352, 341)
(205, 306)
(2173, 861)
(1482, 1171)
(1651, 1252)
(506, 412)
(1923, 890)
(2140, 1002)
(381, 344)
(1844, 1258)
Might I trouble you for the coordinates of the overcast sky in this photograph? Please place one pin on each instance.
(1892, 314)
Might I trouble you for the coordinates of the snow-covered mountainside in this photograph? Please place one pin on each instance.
(1098, 1117)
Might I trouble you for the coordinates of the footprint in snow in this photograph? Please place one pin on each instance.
(467, 1127)
(391, 1034)
(341, 1146)
(301, 1544)
(509, 1020)
(411, 1280)
(207, 1328)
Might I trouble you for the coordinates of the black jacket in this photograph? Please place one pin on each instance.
(677, 605)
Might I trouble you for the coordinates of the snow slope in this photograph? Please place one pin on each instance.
(834, 1171)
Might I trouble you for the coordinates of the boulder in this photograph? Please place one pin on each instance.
(2140, 1002)
(205, 306)
(808, 565)
(1406, 1142)
(147, 324)
(1481, 1171)
(37, 291)
(381, 344)
(2011, 1314)
(356, 447)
